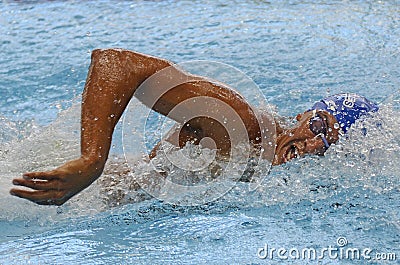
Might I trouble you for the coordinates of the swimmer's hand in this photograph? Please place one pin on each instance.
(57, 186)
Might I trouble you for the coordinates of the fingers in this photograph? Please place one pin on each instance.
(38, 184)
(41, 197)
(47, 175)
(47, 188)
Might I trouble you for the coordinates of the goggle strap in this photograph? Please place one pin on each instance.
(324, 140)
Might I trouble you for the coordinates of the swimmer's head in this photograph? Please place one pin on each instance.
(320, 126)
(346, 108)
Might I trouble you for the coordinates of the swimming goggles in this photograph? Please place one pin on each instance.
(319, 128)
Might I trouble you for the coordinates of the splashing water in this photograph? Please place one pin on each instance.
(367, 158)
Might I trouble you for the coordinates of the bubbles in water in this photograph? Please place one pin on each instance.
(365, 158)
(37, 149)
(336, 126)
(187, 159)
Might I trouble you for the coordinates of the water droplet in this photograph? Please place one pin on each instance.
(336, 126)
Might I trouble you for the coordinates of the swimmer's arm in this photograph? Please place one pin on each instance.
(112, 79)
(114, 76)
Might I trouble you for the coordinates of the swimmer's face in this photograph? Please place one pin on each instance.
(307, 136)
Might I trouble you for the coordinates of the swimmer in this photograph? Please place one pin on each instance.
(113, 77)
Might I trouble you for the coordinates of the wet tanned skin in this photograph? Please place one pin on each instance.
(300, 140)
(113, 77)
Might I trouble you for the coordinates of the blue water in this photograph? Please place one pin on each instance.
(296, 51)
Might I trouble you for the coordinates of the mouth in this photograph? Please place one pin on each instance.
(291, 153)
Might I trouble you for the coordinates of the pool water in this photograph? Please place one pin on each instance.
(296, 52)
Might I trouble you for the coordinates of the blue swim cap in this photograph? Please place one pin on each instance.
(346, 108)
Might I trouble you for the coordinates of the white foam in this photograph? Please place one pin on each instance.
(367, 161)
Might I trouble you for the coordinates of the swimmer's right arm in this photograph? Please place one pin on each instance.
(113, 77)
